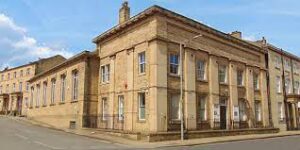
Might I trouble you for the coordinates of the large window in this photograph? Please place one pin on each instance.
(37, 104)
(297, 87)
(62, 88)
(31, 96)
(7, 88)
(174, 64)
(243, 110)
(201, 70)
(288, 86)
(53, 86)
(1, 89)
(278, 84)
(14, 87)
(105, 110)
(45, 93)
(202, 108)
(287, 64)
(75, 85)
(105, 73)
(175, 110)
(240, 77)
(27, 86)
(222, 74)
(142, 106)
(258, 111)
(28, 71)
(15, 74)
(277, 62)
(21, 73)
(256, 81)
(280, 111)
(142, 62)
(20, 86)
(121, 107)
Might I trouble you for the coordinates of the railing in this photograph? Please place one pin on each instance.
(110, 122)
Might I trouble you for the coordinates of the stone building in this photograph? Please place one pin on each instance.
(224, 77)
(63, 95)
(284, 77)
(14, 88)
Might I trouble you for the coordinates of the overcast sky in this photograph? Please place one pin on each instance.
(32, 29)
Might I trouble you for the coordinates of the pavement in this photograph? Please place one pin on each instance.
(31, 135)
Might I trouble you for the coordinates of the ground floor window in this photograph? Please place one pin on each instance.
(202, 108)
(104, 108)
(243, 110)
(142, 106)
(121, 107)
(175, 102)
(258, 111)
(280, 111)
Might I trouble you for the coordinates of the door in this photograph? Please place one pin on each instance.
(223, 117)
(19, 106)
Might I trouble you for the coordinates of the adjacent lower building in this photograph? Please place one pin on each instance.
(64, 95)
(14, 88)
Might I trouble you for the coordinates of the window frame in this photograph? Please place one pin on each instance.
(121, 107)
(240, 77)
(105, 107)
(278, 84)
(105, 73)
(44, 93)
(75, 85)
(174, 65)
(63, 88)
(53, 86)
(220, 72)
(201, 109)
(201, 70)
(141, 96)
(142, 62)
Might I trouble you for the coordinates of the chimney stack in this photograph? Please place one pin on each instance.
(124, 13)
(236, 34)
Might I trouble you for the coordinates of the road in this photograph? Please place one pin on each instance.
(15, 135)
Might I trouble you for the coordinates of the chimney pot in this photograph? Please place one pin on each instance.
(236, 34)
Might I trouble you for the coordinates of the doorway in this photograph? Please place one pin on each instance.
(223, 113)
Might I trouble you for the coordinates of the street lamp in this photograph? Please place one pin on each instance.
(181, 83)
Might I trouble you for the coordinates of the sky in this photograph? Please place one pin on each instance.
(33, 29)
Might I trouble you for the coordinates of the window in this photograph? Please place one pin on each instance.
(53, 84)
(1, 89)
(20, 86)
(201, 68)
(62, 88)
(297, 87)
(28, 71)
(242, 109)
(15, 74)
(8, 76)
(255, 81)
(142, 105)
(14, 87)
(240, 77)
(45, 93)
(31, 97)
(296, 67)
(222, 74)
(280, 111)
(258, 111)
(277, 62)
(278, 84)
(142, 62)
(175, 110)
(21, 73)
(174, 64)
(75, 85)
(104, 108)
(27, 86)
(105, 73)
(26, 102)
(288, 86)
(7, 88)
(287, 64)
(121, 107)
(37, 95)
(202, 106)
(2, 77)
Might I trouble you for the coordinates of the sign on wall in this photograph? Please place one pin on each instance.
(236, 113)
(216, 112)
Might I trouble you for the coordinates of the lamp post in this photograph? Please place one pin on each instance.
(182, 44)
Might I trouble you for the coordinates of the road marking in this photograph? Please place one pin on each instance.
(48, 146)
(21, 136)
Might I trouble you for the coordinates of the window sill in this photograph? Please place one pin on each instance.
(223, 83)
(174, 75)
(256, 90)
(44, 106)
(52, 104)
(141, 121)
(74, 101)
(203, 81)
(142, 74)
(30, 107)
(37, 106)
(241, 86)
(61, 103)
(104, 83)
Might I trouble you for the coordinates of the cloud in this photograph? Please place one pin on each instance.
(17, 47)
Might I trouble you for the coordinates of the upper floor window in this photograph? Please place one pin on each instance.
(1, 89)
(14, 87)
(277, 62)
(256, 81)
(287, 64)
(21, 86)
(174, 64)
(8, 76)
(278, 84)
(28, 71)
(53, 86)
(222, 74)
(7, 88)
(240, 77)
(288, 86)
(63, 88)
(201, 70)
(142, 62)
(297, 87)
(2, 77)
(75, 83)
(21, 73)
(105, 73)
(296, 67)
(27, 86)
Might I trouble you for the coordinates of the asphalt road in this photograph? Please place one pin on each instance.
(15, 135)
